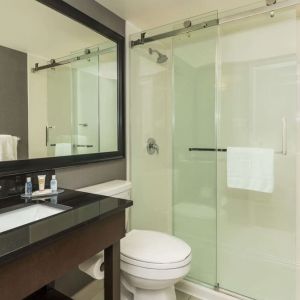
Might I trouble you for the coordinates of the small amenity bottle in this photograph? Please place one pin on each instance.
(53, 184)
(28, 186)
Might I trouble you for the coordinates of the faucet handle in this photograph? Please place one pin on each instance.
(152, 147)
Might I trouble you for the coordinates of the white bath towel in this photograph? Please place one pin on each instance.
(63, 149)
(8, 147)
(250, 169)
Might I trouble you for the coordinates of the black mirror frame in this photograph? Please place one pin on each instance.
(30, 165)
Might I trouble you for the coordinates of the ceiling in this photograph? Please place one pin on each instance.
(146, 14)
(31, 27)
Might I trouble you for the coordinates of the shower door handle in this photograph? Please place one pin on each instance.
(284, 136)
(47, 134)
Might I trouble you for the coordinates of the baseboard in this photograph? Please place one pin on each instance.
(201, 292)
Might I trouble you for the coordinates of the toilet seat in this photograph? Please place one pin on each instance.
(161, 266)
(154, 250)
(155, 274)
(151, 264)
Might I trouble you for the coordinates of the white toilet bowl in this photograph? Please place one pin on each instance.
(151, 264)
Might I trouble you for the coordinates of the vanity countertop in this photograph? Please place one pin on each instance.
(82, 208)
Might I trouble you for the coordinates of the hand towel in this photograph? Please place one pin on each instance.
(8, 147)
(250, 169)
(63, 149)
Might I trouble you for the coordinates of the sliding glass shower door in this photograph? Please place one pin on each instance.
(194, 144)
(258, 109)
(203, 95)
(82, 103)
(243, 240)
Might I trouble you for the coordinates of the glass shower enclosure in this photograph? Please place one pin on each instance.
(82, 104)
(229, 86)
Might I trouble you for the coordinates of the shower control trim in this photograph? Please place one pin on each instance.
(152, 147)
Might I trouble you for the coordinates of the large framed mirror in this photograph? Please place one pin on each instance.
(61, 87)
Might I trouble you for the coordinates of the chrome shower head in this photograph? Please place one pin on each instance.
(162, 58)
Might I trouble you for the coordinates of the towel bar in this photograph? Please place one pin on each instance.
(207, 149)
(283, 152)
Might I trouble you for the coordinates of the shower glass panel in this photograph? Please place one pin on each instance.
(108, 101)
(59, 132)
(194, 149)
(74, 127)
(85, 79)
(82, 104)
(257, 97)
(151, 107)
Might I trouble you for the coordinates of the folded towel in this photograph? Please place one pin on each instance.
(63, 149)
(8, 147)
(250, 169)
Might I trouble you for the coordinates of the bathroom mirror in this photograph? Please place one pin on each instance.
(61, 86)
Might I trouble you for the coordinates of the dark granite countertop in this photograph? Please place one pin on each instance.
(79, 208)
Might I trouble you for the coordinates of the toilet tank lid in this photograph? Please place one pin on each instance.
(109, 188)
(154, 247)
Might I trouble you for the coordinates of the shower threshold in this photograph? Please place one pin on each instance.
(204, 292)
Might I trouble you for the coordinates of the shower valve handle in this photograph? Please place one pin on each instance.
(152, 147)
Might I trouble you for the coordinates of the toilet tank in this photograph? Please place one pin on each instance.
(115, 188)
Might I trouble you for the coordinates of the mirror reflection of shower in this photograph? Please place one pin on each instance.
(162, 58)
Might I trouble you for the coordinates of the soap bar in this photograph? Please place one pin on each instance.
(37, 193)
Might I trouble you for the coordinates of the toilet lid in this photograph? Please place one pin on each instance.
(154, 247)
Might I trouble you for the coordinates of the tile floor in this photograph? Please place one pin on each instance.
(94, 291)
(182, 296)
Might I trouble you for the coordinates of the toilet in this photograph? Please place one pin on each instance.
(151, 262)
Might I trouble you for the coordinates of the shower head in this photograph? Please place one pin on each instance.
(162, 58)
(270, 2)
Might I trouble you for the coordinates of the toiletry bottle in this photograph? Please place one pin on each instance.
(41, 179)
(53, 184)
(28, 186)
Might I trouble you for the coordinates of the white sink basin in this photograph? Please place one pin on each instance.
(26, 215)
